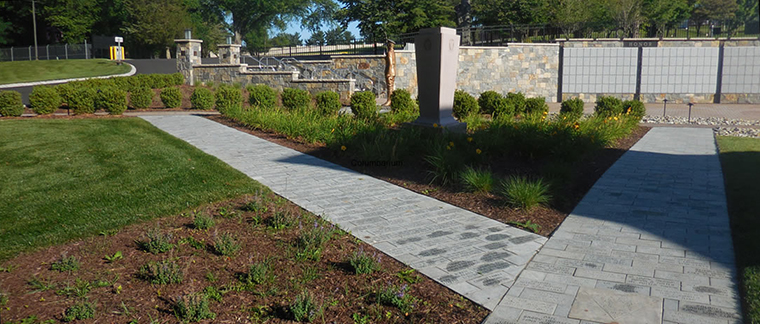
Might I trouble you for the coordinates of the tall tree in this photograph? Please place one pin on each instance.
(74, 18)
(627, 15)
(156, 23)
(254, 15)
(505, 12)
(379, 19)
(568, 15)
(663, 13)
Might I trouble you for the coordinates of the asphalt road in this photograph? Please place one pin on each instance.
(143, 66)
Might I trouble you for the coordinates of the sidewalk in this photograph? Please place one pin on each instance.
(649, 243)
(473, 255)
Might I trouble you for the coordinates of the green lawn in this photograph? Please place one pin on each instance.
(66, 179)
(740, 158)
(29, 71)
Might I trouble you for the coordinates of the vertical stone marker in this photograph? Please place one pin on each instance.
(437, 51)
(229, 53)
(188, 54)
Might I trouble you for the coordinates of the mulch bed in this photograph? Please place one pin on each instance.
(413, 176)
(130, 297)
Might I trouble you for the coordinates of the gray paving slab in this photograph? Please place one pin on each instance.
(473, 255)
(653, 232)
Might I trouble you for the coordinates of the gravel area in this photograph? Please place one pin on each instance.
(722, 126)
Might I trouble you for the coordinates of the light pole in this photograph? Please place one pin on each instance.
(34, 24)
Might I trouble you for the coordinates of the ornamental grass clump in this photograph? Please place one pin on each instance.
(261, 96)
(203, 221)
(193, 308)
(154, 241)
(363, 263)
(202, 99)
(66, 264)
(226, 244)
(521, 192)
(171, 97)
(258, 273)
(44, 100)
(79, 311)
(162, 273)
(392, 295)
(476, 180)
(304, 308)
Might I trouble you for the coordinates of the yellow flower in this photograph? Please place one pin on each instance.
(451, 144)
(478, 151)
(469, 139)
(616, 118)
(448, 148)
(342, 147)
(546, 113)
(435, 125)
(332, 131)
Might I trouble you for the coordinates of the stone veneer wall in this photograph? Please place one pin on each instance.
(367, 70)
(279, 80)
(532, 69)
(679, 70)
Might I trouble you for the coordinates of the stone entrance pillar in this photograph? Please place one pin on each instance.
(229, 53)
(188, 54)
(437, 51)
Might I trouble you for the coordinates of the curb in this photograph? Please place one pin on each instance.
(131, 72)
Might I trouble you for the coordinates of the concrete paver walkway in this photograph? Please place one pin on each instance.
(654, 231)
(473, 255)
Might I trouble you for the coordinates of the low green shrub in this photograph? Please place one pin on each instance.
(475, 180)
(82, 101)
(304, 308)
(518, 101)
(162, 273)
(11, 104)
(44, 100)
(607, 106)
(141, 97)
(202, 98)
(262, 96)
(536, 106)
(489, 101)
(634, 109)
(296, 98)
(171, 97)
(328, 103)
(364, 105)
(156, 242)
(112, 100)
(464, 104)
(229, 100)
(193, 308)
(226, 244)
(67, 264)
(79, 311)
(571, 110)
(402, 102)
(66, 91)
(203, 221)
(176, 79)
(524, 193)
(363, 263)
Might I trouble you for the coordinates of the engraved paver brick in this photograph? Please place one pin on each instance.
(414, 229)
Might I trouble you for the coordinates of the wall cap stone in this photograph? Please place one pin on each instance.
(185, 40)
(270, 72)
(323, 80)
(315, 61)
(653, 39)
(209, 66)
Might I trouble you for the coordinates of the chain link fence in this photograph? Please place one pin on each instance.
(47, 52)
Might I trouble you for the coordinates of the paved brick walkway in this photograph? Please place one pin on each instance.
(650, 242)
(473, 255)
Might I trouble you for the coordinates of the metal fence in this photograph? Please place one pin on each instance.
(352, 48)
(47, 52)
(504, 34)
